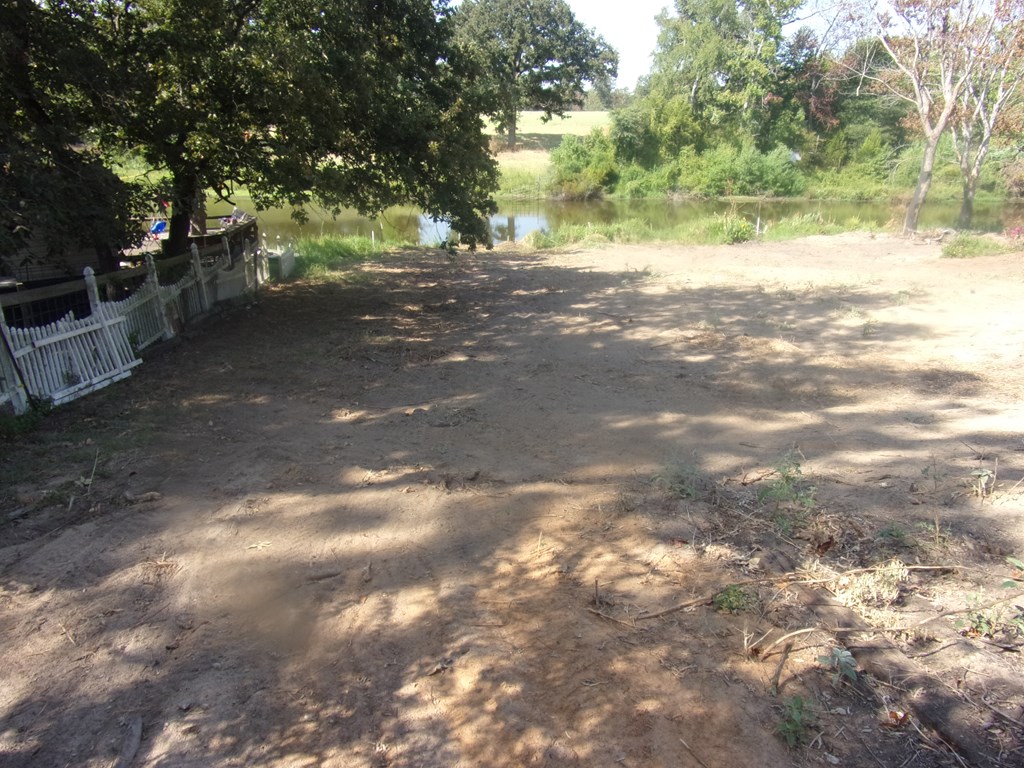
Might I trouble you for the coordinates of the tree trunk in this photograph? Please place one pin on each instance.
(966, 216)
(512, 131)
(183, 199)
(924, 181)
(106, 258)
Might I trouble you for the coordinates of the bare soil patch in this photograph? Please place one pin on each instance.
(417, 516)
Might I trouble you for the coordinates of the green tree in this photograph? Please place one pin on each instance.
(534, 54)
(723, 58)
(56, 195)
(349, 103)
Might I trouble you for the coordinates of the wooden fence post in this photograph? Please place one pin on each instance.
(197, 269)
(159, 306)
(13, 377)
(114, 352)
(92, 290)
(259, 261)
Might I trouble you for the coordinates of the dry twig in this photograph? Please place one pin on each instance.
(778, 669)
(692, 753)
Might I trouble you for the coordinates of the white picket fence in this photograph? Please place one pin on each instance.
(71, 357)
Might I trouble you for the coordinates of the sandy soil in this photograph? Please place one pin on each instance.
(414, 517)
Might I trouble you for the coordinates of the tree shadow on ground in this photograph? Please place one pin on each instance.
(370, 548)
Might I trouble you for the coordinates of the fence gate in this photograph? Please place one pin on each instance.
(70, 358)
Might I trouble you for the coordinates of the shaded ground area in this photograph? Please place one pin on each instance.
(416, 516)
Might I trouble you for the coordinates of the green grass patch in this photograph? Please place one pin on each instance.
(574, 123)
(318, 257)
(807, 224)
(719, 229)
(623, 231)
(968, 246)
(525, 174)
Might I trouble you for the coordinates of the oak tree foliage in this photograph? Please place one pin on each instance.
(533, 54)
(346, 103)
(56, 194)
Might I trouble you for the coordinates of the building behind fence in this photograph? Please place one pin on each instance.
(69, 357)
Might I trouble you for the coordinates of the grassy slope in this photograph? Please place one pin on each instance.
(524, 172)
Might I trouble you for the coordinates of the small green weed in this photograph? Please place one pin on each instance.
(12, 426)
(788, 487)
(983, 482)
(933, 473)
(732, 599)
(1018, 565)
(989, 623)
(796, 722)
(842, 664)
(939, 535)
(893, 534)
(319, 256)
(968, 246)
(684, 480)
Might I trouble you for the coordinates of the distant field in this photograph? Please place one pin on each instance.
(533, 133)
(575, 123)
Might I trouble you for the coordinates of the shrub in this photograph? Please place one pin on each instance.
(584, 168)
(968, 246)
(727, 171)
(716, 230)
(633, 139)
(638, 182)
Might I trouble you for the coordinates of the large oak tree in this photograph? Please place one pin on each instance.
(349, 103)
(534, 54)
(56, 194)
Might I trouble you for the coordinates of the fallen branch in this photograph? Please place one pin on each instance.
(791, 577)
(611, 618)
(693, 754)
(788, 636)
(869, 630)
(778, 669)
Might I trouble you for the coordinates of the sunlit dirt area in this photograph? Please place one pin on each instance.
(612, 506)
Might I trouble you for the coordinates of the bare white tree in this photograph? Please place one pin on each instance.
(991, 96)
(934, 48)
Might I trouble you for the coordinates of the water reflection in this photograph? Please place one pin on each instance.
(516, 219)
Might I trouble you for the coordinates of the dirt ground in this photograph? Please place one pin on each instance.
(415, 516)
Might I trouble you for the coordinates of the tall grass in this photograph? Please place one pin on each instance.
(622, 231)
(719, 229)
(318, 257)
(807, 224)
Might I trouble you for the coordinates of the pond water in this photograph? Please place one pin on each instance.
(516, 219)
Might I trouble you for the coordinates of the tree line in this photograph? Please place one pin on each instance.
(736, 105)
(367, 104)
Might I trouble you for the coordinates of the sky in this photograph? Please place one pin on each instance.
(627, 26)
